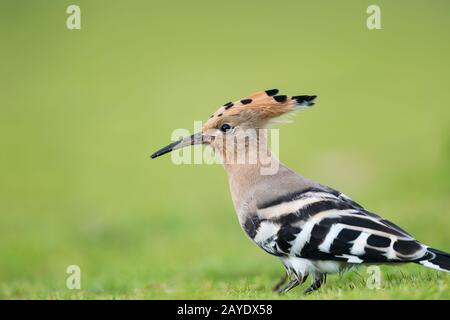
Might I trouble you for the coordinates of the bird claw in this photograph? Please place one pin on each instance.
(316, 284)
(292, 284)
(280, 282)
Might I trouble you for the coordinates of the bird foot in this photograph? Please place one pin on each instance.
(316, 283)
(280, 282)
(291, 285)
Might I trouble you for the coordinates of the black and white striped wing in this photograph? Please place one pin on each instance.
(326, 225)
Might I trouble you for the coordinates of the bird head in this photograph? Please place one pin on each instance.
(241, 121)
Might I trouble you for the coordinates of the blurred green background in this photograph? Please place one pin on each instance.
(81, 110)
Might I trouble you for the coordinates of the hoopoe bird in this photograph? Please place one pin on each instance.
(313, 229)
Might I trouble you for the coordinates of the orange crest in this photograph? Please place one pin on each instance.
(256, 110)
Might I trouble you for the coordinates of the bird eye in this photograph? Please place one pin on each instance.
(225, 127)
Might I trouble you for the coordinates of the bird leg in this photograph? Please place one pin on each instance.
(292, 284)
(280, 282)
(316, 283)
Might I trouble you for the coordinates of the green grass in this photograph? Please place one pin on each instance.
(80, 111)
(408, 284)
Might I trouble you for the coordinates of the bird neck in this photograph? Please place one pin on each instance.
(249, 155)
(245, 176)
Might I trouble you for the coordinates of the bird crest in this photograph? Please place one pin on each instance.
(257, 110)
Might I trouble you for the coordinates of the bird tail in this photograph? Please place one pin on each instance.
(436, 259)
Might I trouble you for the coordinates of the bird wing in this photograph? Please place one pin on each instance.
(324, 224)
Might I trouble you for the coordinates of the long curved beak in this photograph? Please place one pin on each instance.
(197, 138)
